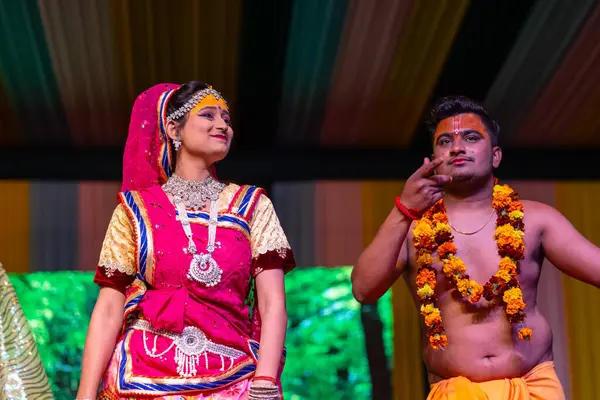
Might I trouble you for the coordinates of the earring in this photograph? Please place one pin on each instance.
(177, 143)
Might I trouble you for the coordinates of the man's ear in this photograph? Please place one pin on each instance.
(496, 156)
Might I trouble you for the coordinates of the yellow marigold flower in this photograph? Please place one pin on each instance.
(440, 226)
(512, 294)
(502, 189)
(507, 233)
(422, 228)
(427, 309)
(503, 274)
(425, 291)
(515, 215)
(463, 286)
(424, 259)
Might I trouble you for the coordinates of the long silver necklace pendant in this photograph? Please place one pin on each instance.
(204, 269)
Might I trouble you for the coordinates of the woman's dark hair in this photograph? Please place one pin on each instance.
(182, 95)
(450, 106)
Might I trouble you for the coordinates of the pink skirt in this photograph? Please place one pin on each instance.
(237, 391)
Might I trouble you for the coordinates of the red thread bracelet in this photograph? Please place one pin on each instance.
(410, 213)
(265, 378)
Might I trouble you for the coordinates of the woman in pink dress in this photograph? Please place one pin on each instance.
(192, 301)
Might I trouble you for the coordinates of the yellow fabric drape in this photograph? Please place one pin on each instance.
(377, 202)
(14, 234)
(578, 201)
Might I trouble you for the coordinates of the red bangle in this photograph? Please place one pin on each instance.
(265, 378)
(408, 212)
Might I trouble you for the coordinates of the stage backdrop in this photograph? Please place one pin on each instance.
(51, 226)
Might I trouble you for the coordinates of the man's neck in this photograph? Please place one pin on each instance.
(472, 195)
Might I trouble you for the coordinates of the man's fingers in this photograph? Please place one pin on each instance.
(441, 179)
(427, 168)
(426, 161)
(437, 196)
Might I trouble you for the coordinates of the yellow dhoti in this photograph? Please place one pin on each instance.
(541, 383)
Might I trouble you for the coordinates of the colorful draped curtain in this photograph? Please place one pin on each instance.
(340, 73)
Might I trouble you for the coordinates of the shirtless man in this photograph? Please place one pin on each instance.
(483, 347)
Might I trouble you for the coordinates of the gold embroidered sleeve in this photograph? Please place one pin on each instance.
(118, 250)
(266, 233)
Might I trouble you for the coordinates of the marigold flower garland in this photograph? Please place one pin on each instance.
(432, 232)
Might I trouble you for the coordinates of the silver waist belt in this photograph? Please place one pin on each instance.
(189, 346)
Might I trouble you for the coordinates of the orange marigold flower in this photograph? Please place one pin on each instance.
(476, 291)
(426, 276)
(525, 334)
(446, 249)
(440, 218)
(432, 318)
(501, 201)
(506, 264)
(514, 306)
(438, 341)
(515, 206)
(454, 265)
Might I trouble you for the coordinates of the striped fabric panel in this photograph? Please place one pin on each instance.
(338, 223)
(53, 244)
(15, 231)
(312, 48)
(96, 203)
(295, 204)
(578, 201)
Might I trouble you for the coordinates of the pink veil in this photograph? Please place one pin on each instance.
(147, 158)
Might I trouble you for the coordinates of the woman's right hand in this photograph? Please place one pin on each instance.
(423, 188)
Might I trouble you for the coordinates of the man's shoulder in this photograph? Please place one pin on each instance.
(539, 213)
(536, 207)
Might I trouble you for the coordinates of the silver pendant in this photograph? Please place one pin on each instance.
(189, 346)
(204, 269)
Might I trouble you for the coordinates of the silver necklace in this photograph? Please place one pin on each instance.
(203, 267)
(194, 193)
(475, 231)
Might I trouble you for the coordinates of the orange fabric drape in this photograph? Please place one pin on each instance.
(578, 201)
(378, 201)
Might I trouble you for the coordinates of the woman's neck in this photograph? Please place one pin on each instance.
(191, 169)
